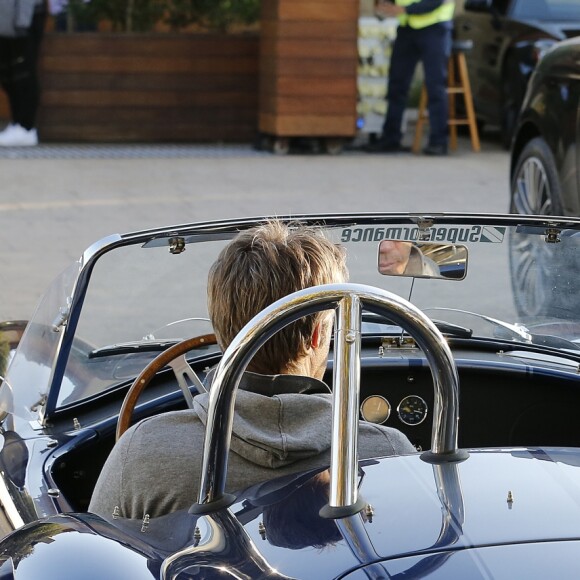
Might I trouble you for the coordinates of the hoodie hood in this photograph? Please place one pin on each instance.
(277, 430)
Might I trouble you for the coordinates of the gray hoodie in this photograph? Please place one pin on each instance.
(155, 467)
(16, 16)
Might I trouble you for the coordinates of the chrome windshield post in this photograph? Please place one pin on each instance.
(346, 395)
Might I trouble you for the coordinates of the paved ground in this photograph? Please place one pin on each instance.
(55, 200)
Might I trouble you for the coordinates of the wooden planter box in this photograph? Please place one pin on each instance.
(105, 87)
(308, 68)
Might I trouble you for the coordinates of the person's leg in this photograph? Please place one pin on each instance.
(404, 60)
(24, 90)
(435, 45)
(6, 60)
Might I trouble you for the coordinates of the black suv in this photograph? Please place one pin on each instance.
(509, 38)
(545, 157)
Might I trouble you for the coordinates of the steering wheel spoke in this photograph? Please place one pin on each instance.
(185, 375)
(186, 378)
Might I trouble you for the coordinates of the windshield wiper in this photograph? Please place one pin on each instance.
(132, 347)
(444, 327)
(519, 331)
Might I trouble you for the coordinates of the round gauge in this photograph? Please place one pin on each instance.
(375, 409)
(412, 410)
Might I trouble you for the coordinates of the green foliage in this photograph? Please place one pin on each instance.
(143, 15)
(221, 14)
(81, 15)
(130, 15)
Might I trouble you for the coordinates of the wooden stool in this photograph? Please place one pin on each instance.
(457, 83)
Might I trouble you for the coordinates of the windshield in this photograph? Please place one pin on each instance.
(556, 10)
(30, 371)
(518, 281)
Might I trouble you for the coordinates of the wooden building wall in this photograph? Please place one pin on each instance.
(99, 87)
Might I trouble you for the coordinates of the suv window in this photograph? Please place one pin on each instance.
(546, 9)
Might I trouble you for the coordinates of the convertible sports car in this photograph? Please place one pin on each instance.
(476, 360)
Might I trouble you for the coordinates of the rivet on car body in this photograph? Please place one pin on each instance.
(196, 536)
(510, 499)
(262, 530)
(53, 492)
(369, 513)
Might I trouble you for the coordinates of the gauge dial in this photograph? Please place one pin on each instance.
(412, 410)
(375, 409)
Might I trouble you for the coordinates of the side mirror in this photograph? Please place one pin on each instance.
(422, 260)
(478, 5)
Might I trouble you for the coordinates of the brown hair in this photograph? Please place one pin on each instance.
(262, 265)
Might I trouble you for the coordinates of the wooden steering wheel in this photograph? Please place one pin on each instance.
(175, 358)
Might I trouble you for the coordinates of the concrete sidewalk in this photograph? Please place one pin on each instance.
(55, 200)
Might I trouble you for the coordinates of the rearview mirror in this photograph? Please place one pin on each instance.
(422, 260)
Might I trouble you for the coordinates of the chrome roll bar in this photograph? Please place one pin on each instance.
(348, 300)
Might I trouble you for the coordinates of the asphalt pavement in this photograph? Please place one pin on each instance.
(56, 200)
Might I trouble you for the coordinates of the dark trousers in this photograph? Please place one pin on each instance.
(18, 72)
(431, 46)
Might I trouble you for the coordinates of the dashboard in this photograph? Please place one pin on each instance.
(504, 401)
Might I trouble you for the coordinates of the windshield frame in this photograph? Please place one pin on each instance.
(195, 233)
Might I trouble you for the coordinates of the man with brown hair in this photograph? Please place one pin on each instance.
(283, 409)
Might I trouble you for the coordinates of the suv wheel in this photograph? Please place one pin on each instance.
(540, 271)
(535, 188)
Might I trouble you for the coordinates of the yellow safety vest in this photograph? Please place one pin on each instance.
(442, 14)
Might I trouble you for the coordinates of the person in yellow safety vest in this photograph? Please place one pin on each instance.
(423, 34)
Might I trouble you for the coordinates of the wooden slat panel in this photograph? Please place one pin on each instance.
(306, 48)
(300, 106)
(293, 86)
(324, 10)
(310, 30)
(131, 134)
(347, 31)
(128, 65)
(148, 115)
(162, 99)
(148, 81)
(100, 87)
(307, 68)
(311, 126)
(150, 45)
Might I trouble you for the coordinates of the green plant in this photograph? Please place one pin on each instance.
(130, 15)
(144, 15)
(222, 14)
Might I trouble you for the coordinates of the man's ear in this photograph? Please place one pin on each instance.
(316, 335)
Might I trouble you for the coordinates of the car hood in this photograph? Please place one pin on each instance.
(497, 512)
(514, 561)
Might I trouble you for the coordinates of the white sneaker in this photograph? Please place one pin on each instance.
(18, 136)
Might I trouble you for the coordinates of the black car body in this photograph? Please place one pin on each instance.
(495, 496)
(509, 38)
(545, 153)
